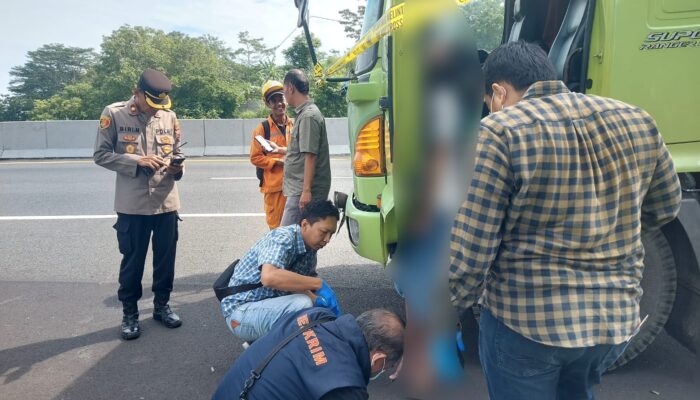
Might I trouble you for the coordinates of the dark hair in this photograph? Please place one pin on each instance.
(317, 210)
(297, 79)
(518, 63)
(383, 331)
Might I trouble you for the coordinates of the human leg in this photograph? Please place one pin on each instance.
(254, 319)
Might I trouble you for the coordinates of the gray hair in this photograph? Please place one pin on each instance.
(383, 331)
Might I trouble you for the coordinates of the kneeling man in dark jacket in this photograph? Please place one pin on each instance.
(332, 358)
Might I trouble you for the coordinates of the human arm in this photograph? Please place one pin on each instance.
(105, 154)
(258, 157)
(309, 172)
(179, 169)
(662, 201)
(346, 393)
(476, 232)
(310, 132)
(277, 278)
(277, 149)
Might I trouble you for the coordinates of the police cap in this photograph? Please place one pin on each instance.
(156, 86)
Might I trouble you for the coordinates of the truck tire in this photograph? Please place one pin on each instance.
(659, 285)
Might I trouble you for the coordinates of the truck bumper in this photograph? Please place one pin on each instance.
(365, 228)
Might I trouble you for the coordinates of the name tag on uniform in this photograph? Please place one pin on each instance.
(164, 139)
(129, 138)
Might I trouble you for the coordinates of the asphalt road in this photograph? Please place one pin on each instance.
(59, 314)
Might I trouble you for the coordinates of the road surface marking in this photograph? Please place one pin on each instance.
(112, 216)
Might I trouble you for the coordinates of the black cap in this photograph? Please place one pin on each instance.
(156, 86)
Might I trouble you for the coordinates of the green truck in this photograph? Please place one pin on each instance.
(643, 52)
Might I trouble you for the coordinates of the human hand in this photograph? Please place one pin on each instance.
(277, 149)
(174, 169)
(326, 298)
(304, 199)
(151, 161)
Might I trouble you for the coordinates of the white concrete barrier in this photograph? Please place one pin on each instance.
(23, 140)
(193, 133)
(76, 139)
(70, 138)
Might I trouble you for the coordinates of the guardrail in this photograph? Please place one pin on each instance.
(205, 137)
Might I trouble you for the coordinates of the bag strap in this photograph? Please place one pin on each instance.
(231, 290)
(222, 289)
(255, 374)
(266, 128)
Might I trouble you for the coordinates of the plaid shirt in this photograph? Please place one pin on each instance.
(563, 185)
(282, 247)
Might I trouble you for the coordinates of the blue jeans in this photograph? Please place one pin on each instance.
(256, 318)
(519, 368)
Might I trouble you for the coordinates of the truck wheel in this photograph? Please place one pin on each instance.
(659, 285)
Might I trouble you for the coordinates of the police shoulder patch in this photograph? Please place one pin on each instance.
(105, 122)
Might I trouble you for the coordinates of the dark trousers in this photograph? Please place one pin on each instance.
(133, 235)
(519, 368)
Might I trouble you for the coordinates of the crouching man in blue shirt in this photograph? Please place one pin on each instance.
(283, 262)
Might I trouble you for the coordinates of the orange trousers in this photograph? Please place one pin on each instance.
(274, 207)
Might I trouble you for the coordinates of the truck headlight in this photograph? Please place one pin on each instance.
(354, 231)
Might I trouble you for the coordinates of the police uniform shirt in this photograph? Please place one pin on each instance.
(124, 135)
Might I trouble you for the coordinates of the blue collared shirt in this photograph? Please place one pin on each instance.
(282, 247)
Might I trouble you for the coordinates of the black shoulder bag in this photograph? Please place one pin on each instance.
(222, 289)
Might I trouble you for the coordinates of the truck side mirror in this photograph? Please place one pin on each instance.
(303, 18)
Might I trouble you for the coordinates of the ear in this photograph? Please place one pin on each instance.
(498, 91)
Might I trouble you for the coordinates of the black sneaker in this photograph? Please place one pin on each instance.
(165, 315)
(130, 326)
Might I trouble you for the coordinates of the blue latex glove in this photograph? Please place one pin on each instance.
(326, 298)
(445, 358)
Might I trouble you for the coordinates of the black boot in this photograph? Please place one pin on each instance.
(130, 321)
(164, 314)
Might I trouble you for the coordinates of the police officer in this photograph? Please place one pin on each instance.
(334, 359)
(137, 139)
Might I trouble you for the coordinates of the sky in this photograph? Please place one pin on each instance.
(26, 25)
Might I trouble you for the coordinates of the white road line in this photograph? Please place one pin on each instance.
(234, 178)
(198, 160)
(112, 216)
(253, 178)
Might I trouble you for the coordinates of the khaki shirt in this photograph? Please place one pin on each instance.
(308, 136)
(125, 135)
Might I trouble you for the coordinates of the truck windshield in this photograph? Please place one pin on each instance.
(366, 60)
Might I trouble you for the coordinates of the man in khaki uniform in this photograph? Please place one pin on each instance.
(307, 168)
(137, 139)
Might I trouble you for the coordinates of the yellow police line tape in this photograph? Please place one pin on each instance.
(389, 22)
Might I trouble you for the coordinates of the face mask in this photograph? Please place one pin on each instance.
(380, 372)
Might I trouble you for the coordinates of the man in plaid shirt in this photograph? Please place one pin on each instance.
(283, 264)
(564, 183)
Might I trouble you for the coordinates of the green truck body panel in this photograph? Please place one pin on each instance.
(646, 53)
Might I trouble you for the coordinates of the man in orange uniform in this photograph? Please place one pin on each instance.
(272, 163)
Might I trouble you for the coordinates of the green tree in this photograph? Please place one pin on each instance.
(73, 102)
(486, 19)
(352, 22)
(253, 52)
(297, 54)
(201, 70)
(326, 96)
(49, 69)
(14, 108)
